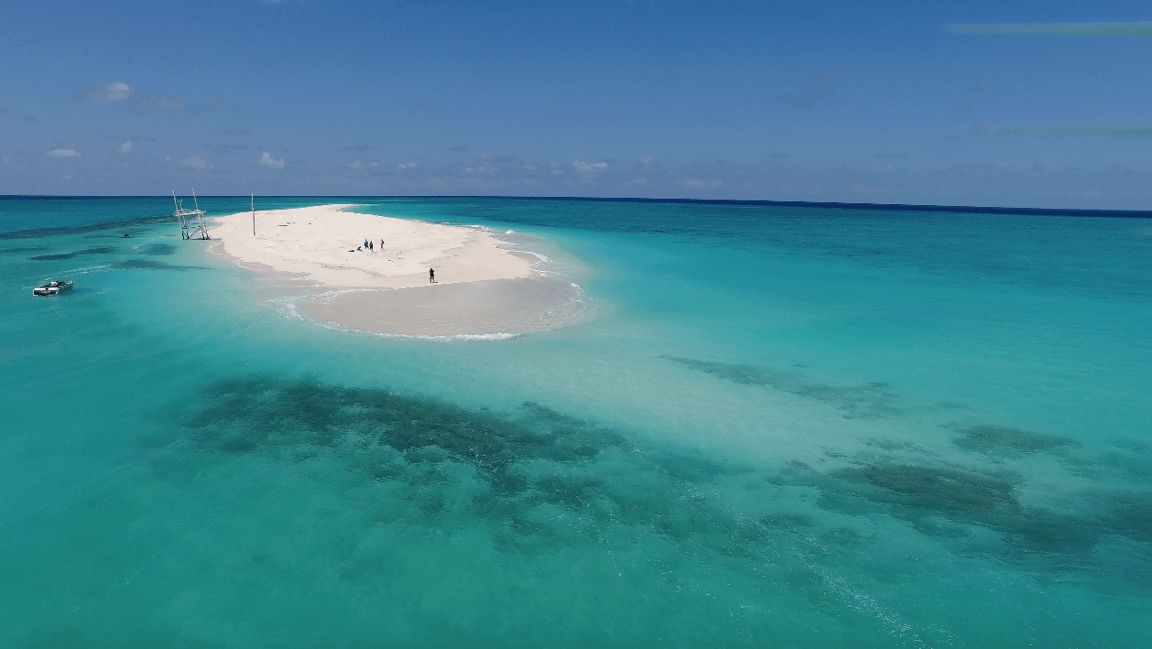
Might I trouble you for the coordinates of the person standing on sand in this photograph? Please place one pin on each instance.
(431, 276)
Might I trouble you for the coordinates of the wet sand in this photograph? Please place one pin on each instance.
(485, 308)
(481, 289)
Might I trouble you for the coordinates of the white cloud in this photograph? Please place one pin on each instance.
(64, 153)
(119, 92)
(268, 161)
(125, 148)
(109, 92)
(589, 167)
(407, 165)
(195, 162)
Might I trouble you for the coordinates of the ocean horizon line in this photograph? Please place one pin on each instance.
(905, 207)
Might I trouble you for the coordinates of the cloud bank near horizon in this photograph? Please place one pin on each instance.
(892, 180)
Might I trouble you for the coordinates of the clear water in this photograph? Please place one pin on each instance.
(787, 427)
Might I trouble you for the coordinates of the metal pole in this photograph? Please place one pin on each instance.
(253, 214)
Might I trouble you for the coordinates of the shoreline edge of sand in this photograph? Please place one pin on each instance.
(482, 289)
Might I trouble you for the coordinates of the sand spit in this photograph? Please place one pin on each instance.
(481, 288)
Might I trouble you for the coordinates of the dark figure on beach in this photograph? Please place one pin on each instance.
(431, 276)
(381, 244)
(370, 247)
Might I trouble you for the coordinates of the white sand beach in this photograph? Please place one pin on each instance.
(319, 243)
(481, 287)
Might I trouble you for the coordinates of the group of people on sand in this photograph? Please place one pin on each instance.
(368, 245)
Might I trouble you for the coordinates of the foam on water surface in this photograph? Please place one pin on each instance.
(790, 427)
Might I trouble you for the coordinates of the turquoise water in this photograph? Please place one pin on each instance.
(787, 426)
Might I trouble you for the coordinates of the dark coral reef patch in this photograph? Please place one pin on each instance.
(148, 264)
(101, 250)
(1003, 440)
(537, 460)
(872, 400)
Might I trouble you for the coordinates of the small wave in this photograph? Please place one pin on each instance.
(286, 306)
(84, 270)
(543, 258)
(335, 326)
(328, 296)
(471, 337)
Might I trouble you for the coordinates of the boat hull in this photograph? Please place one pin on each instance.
(52, 288)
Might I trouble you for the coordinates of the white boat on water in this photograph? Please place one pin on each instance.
(53, 288)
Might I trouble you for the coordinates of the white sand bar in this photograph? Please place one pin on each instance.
(481, 287)
(315, 243)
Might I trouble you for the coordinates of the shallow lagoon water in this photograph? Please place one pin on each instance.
(786, 426)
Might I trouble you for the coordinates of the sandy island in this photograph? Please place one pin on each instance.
(481, 288)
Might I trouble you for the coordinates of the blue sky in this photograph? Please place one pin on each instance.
(1040, 104)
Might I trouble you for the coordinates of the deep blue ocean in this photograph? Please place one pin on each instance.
(786, 426)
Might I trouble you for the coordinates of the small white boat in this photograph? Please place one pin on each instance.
(53, 288)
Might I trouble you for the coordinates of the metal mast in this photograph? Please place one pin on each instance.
(191, 221)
